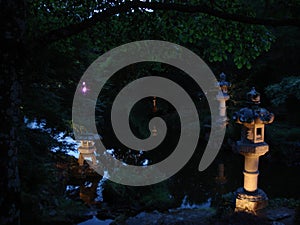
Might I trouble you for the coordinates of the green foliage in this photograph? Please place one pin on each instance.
(283, 140)
(280, 133)
(42, 184)
(65, 210)
(54, 71)
(279, 92)
(284, 202)
(50, 81)
(49, 209)
(158, 197)
(213, 39)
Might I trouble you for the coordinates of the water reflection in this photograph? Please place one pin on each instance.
(88, 191)
(96, 221)
(223, 176)
(188, 205)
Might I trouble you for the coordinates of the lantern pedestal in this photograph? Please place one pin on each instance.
(250, 198)
(250, 201)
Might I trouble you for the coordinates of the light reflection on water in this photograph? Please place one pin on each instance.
(201, 186)
(187, 205)
(95, 221)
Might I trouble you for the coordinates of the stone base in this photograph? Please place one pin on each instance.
(250, 202)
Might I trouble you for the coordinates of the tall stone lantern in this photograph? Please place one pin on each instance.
(252, 146)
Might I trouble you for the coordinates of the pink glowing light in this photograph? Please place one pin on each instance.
(84, 89)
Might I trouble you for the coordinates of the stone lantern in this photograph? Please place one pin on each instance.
(252, 146)
(222, 97)
(87, 148)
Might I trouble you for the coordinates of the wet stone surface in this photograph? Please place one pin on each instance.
(183, 217)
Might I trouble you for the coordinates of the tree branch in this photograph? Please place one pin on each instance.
(73, 29)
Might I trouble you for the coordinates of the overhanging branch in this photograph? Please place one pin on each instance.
(73, 29)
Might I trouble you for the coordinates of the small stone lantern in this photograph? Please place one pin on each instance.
(252, 146)
(222, 97)
(87, 148)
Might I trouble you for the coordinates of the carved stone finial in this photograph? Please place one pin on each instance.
(253, 113)
(253, 96)
(223, 84)
(222, 76)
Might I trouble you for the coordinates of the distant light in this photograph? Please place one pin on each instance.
(84, 89)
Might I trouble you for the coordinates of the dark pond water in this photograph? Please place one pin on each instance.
(194, 188)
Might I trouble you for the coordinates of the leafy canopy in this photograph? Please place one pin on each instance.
(213, 38)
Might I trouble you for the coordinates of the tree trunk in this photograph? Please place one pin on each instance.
(12, 60)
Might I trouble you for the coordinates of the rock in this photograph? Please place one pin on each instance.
(277, 223)
(283, 215)
(279, 214)
(52, 212)
(241, 218)
(145, 218)
(178, 217)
